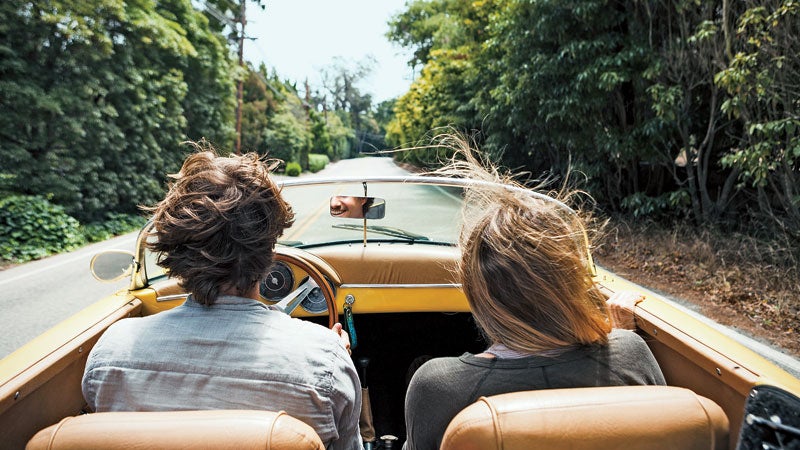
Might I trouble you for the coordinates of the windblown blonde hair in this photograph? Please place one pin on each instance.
(524, 265)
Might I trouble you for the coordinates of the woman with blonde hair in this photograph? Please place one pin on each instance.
(524, 269)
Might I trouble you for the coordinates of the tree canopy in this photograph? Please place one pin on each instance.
(677, 108)
(673, 108)
(99, 96)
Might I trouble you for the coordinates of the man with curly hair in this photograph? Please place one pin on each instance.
(215, 232)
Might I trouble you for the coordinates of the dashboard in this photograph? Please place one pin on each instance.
(378, 278)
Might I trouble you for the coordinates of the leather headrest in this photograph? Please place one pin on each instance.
(221, 429)
(630, 417)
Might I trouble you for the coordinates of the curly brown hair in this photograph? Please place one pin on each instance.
(217, 227)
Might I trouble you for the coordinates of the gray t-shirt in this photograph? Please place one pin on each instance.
(235, 354)
(444, 386)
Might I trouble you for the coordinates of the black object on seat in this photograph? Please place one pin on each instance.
(771, 420)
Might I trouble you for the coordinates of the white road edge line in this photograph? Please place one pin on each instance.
(82, 255)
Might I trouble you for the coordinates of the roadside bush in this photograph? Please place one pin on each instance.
(665, 205)
(317, 162)
(114, 224)
(31, 227)
(293, 169)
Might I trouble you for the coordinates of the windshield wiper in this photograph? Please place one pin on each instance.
(388, 231)
(290, 243)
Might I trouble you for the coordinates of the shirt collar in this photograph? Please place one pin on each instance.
(228, 302)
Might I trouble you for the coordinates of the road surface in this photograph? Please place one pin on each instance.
(37, 295)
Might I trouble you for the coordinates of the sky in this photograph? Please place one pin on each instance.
(299, 38)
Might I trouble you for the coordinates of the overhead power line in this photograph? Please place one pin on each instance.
(219, 15)
(238, 27)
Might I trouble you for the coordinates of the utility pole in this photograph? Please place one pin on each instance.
(307, 106)
(240, 88)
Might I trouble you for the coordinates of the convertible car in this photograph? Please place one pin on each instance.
(377, 254)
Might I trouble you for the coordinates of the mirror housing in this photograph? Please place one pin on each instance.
(112, 265)
(353, 207)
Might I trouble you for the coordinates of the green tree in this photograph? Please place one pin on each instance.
(384, 113)
(98, 98)
(209, 75)
(690, 132)
(761, 82)
(445, 36)
(260, 101)
(287, 134)
(341, 82)
(342, 136)
(320, 136)
(565, 92)
(426, 25)
(433, 101)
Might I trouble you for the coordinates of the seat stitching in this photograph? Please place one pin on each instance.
(498, 433)
(272, 428)
(51, 443)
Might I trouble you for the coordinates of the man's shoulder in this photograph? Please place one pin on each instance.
(308, 330)
(123, 329)
(316, 341)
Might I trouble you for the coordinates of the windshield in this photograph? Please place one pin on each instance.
(414, 212)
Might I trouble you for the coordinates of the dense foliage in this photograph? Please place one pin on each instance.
(112, 224)
(317, 162)
(293, 169)
(31, 227)
(680, 108)
(98, 97)
(672, 109)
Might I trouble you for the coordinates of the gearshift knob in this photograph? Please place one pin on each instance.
(362, 363)
(388, 441)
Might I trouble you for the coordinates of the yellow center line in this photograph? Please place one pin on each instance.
(298, 231)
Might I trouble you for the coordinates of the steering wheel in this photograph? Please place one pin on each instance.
(289, 303)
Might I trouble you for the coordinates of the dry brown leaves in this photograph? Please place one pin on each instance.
(736, 280)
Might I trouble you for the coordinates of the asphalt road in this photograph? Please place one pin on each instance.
(37, 295)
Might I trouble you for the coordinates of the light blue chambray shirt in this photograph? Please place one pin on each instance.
(235, 354)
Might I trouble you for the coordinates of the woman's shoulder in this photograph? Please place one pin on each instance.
(629, 352)
(440, 365)
(625, 339)
(441, 380)
(441, 370)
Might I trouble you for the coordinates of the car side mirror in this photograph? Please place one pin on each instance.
(112, 265)
(348, 206)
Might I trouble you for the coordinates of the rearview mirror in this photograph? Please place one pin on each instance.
(358, 207)
(112, 265)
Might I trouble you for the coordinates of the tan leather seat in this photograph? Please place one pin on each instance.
(625, 417)
(222, 429)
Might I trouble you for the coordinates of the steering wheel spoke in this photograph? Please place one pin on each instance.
(315, 279)
(289, 303)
